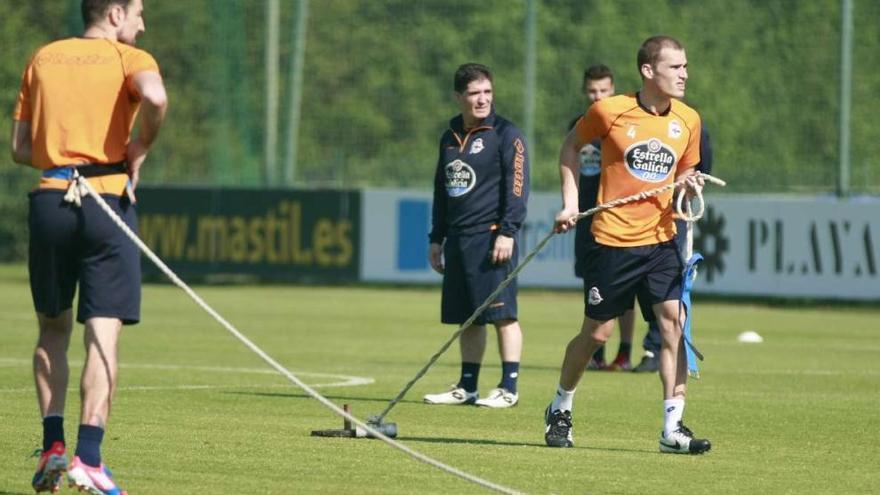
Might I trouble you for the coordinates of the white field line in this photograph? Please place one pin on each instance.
(337, 380)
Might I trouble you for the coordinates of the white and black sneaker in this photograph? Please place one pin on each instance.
(557, 428)
(682, 441)
(455, 396)
(499, 398)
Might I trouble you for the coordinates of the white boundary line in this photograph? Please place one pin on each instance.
(154, 388)
(372, 428)
(342, 380)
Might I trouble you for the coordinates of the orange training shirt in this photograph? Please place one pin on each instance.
(640, 151)
(79, 96)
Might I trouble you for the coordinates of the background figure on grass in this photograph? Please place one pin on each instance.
(598, 84)
(649, 138)
(650, 362)
(78, 100)
(481, 187)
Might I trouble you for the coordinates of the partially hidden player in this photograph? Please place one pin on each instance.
(598, 83)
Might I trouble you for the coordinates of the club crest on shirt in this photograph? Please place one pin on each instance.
(650, 161)
(477, 146)
(460, 178)
(674, 129)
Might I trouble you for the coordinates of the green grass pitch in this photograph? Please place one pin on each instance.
(197, 412)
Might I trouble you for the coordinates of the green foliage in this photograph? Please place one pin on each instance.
(198, 412)
(377, 83)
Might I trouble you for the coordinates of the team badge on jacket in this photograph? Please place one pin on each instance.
(477, 146)
(460, 178)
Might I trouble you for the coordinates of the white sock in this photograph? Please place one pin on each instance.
(673, 410)
(563, 399)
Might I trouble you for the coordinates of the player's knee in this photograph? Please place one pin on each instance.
(670, 328)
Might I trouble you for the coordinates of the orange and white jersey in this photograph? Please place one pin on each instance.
(640, 151)
(79, 96)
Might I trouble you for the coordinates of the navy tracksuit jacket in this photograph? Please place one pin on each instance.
(482, 179)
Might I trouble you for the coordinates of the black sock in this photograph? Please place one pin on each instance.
(625, 349)
(53, 431)
(470, 374)
(599, 355)
(88, 444)
(509, 374)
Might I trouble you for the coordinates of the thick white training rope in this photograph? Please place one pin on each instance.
(684, 211)
(75, 197)
(690, 217)
(504, 283)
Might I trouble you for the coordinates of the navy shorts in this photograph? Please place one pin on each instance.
(584, 242)
(588, 188)
(72, 245)
(470, 278)
(616, 275)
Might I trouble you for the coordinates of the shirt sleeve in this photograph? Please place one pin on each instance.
(593, 125)
(691, 155)
(515, 169)
(438, 208)
(136, 61)
(23, 103)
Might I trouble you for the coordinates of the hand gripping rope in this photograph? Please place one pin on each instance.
(80, 187)
(691, 182)
(684, 211)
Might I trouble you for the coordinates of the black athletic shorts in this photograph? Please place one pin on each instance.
(470, 278)
(588, 188)
(71, 244)
(616, 275)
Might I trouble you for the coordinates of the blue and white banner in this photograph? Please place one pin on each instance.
(787, 247)
(395, 236)
(822, 248)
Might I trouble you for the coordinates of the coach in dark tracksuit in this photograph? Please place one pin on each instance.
(480, 191)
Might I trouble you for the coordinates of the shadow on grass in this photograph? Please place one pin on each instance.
(472, 441)
(306, 396)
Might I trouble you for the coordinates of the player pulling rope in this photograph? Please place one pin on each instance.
(80, 187)
(694, 183)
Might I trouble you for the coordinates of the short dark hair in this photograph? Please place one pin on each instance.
(597, 72)
(649, 52)
(94, 10)
(467, 73)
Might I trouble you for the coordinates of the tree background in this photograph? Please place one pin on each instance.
(377, 84)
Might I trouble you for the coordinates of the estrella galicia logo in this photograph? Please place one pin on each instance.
(650, 161)
(460, 178)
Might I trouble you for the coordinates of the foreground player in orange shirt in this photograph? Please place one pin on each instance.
(649, 139)
(77, 105)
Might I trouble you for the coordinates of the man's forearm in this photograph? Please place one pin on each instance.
(154, 102)
(23, 156)
(151, 117)
(568, 177)
(22, 149)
